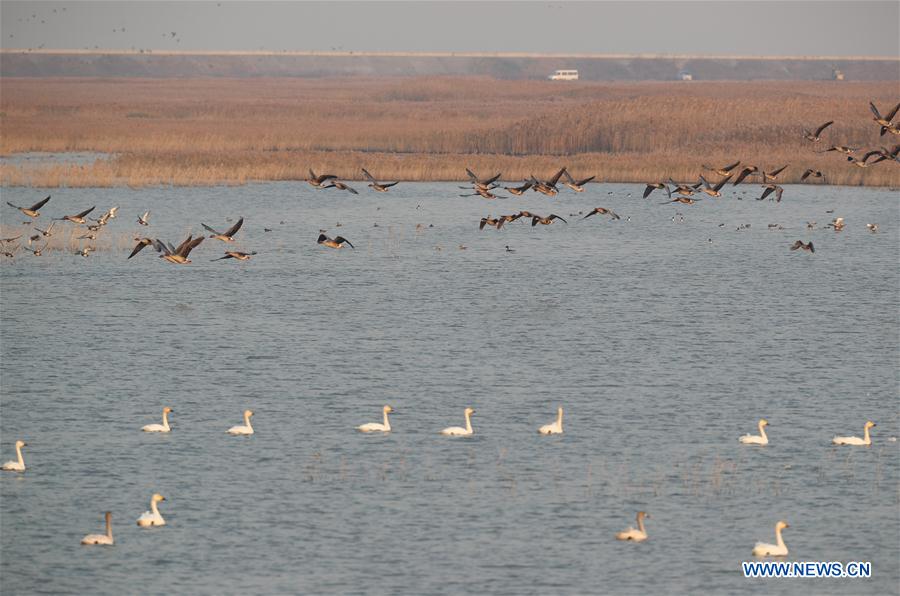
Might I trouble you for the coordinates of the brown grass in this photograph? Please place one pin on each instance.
(224, 131)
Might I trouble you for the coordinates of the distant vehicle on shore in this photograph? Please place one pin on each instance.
(564, 75)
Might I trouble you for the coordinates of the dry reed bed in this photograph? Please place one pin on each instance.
(201, 131)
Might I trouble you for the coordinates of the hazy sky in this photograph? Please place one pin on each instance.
(671, 27)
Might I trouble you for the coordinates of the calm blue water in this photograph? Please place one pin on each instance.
(663, 347)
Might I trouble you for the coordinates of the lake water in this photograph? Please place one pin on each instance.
(663, 340)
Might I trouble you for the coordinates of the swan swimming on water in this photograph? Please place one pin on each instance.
(152, 517)
(101, 538)
(773, 550)
(632, 534)
(160, 428)
(378, 426)
(458, 431)
(554, 428)
(19, 465)
(866, 440)
(761, 438)
(243, 429)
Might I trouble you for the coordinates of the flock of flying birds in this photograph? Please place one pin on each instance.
(677, 192)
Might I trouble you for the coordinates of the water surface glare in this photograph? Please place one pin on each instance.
(663, 340)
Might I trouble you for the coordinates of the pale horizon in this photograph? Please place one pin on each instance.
(741, 28)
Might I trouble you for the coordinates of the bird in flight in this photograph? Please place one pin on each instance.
(33, 210)
(380, 187)
(336, 242)
(800, 245)
(228, 236)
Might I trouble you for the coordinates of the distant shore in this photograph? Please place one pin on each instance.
(205, 131)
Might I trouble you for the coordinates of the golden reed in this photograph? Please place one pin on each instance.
(233, 131)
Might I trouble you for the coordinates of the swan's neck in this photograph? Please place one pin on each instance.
(640, 523)
(866, 439)
(22, 461)
(762, 431)
(247, 421)
(153, 507)
(778, 539)
(165, 420)
(559, 418)
(387, 423)
(468, 423)
(108, 528)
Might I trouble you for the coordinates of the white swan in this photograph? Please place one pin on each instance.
(866, 440)
(760, 439)
(243, 429)
(632, 534)
(458, 431)
(16, 466)
(160, 428)
(152, 517)
(773, 550)
(377, 426)
(554, 428)
(101, 538)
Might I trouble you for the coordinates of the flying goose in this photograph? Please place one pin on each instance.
(5, 240)
(726, 171)
(746, 171)
(547, 187)
(227, 236)
(144, 219)
(602, 211)
(837, 223)
(11, 253)
(546, 221)
(487, 194)
(773, 175)
(769, 189)
(713, 191)
(799, 244)
(234, 254)
(682, 200)
(141, 243)
(883, 154)
(840, 149)
(519, 190)
(77, 218)
(686, 190)
(509, 218)
(489, 221)
(85, 252)
(576, 186)
(482, 182)
(374, 183)
(859, 163)
(179, 254)
(37, 251)
(341, 186)
(48, 232)
(814, 173)
(318, 181)
(33, 210)
(336, 242)
(814, 136)
(651, 186)
(885, 121)
(872, 227)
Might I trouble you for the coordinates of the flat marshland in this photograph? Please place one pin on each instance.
(232, 131)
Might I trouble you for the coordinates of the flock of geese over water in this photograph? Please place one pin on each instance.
(680, 193)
